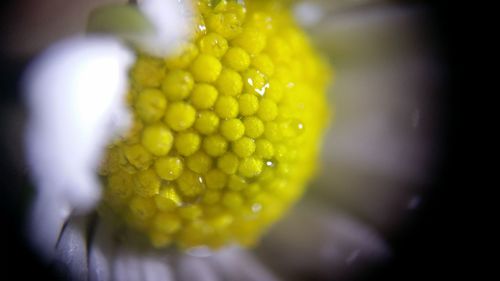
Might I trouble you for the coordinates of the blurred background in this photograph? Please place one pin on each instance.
(386, 184)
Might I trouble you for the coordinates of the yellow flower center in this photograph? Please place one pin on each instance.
(226, 132)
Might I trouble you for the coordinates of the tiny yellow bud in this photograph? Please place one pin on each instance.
(215, 145)
(180, 116)
(168, 199)
(207, 122)
(206, 68)
(203, 96)
(213, 44)
(190, 184)
(229, 83)
(120, 187)
(237, 59)
(143, 208)
(244, 147)
(177, 85)
(157, 139)
(138, 156)
(232, 129)
(228, 163)
(264, 149)
(187, 143)
(226, 107)
(254, 127)
(150, 105)
(250, 167)
(268, 110)
(248, 104)
(148, 72)
(169, 168)
(147, 183)
(226, 24)
(200, 162)
(264, 64)
(216, 179)
(251, 40)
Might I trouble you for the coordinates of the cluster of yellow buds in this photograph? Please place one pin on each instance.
(226, 132)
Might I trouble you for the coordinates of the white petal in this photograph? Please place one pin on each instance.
(72, 249)
(308, 13)
(321, 241)
(48, 215)
(170, 19)
(101, 252)
(195, 269)
(155, 267)
(238, 264)
(131, 263)
(126, 265)
(380, 150)
(75, 95)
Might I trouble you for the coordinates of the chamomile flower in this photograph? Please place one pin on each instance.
(202, 137)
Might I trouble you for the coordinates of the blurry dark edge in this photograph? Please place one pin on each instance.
(18, 261)
(434, 244)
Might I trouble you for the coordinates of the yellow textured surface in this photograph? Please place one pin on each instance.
(226, 132)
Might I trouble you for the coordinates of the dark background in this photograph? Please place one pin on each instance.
(434, 244)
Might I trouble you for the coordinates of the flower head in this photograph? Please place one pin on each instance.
(226, 131)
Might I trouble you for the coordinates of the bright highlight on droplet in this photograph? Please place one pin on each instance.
(226, 132)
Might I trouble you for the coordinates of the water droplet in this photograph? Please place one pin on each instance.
(201, 180)
(202, 27)
(262, 91)
(298, 126)
(250, 81)
(269, 163)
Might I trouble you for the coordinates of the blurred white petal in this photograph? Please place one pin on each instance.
(235, 263)
(155, 267)
(316, 239)
(169, 17)
(381, 149)
(131, 264)
(75, 95)
(308, 13)
(195, 269)
(48, 216)
(101, 252)
(126, 265)
(72, 249)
